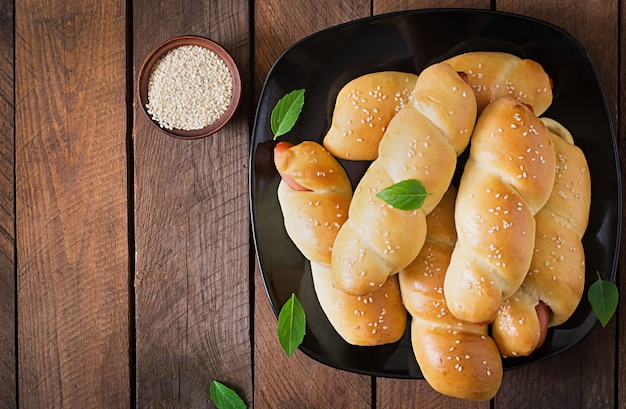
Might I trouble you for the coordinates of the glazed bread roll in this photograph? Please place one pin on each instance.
(507, 179)
(556, 277)
(496, 74)
(421, 142)
(313, 215)
(363, 109)
(457, 358)
(314, 205)
(375, 319)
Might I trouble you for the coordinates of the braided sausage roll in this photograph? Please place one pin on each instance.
(555, 281)
(422, 142)
(314, 195)
(496, 74)
(506, 181)
(457, 358)
(363, 109)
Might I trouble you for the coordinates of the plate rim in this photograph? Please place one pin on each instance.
(590, 321)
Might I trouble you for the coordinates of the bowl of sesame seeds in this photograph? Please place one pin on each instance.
(189, 87)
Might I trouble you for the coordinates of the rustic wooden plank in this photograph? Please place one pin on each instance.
(192, 285)
(8, 398)
(585, 374)
(621, 317)
(396, 394)
(593, 23)
(274, 33)
(581, 377)
(389, 6)
(296, 381)
(71, 204)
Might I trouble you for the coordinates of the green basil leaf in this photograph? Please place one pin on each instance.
(603, 296)
(286, 112)
(408, 194)
(225, 398)
(291, 325)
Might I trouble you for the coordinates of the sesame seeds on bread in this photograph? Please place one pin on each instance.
(379, 240)
(313, 217)
(496, 74)
(377, 318)
(363, 109)
(506, 181)
(556, 276)
(456, 357)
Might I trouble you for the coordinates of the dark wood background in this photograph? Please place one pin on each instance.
(127, 273)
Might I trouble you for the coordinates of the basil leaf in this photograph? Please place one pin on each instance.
(286, 112)
(603, 296)
(408, 194)
(291, 325)
(225, 398)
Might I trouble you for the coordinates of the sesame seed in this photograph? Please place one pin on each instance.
(189, 88)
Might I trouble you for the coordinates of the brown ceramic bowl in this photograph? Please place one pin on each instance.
(164, 48)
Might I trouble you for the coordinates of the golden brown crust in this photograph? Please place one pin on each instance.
(400, 148)
(314, 168)
(363, 109)
(516, 328)
(557, 272)
(457, 358)
(506, 181)
(312, 220)
(375, 319)
(313, 217)
(368, 248)
(421, 142)
(496, 74)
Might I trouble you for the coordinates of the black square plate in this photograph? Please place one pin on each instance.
(411, 41)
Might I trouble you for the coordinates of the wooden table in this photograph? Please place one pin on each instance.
(127, 273)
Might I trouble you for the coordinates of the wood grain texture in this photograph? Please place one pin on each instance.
(192, 298)
(272, 36)
(594, 24)
(297, 381)
(566, 379)
(389, 6)
(398, 394)
(621, 311)
(71, 201)
(8, 398)
(70, 183)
